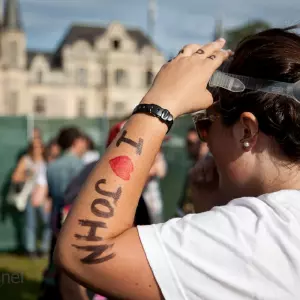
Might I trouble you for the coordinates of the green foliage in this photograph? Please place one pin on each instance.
(235, 35)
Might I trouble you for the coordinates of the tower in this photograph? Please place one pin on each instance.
(13, 42)
(13, 62)
(151, 28)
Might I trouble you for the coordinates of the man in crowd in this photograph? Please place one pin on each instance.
(60, 172)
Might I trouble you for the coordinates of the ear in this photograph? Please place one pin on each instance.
(245, 131)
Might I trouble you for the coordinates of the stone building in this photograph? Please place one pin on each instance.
(94, 71)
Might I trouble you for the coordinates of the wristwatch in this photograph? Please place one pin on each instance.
(156, 111)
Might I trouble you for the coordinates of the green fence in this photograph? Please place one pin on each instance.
(14, 137)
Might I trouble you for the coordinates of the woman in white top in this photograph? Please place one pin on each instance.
(31, 167)
(248, 248)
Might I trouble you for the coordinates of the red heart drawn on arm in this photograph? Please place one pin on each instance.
(122, 166)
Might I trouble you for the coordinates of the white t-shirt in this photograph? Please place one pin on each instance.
(42, 175)
(248, 249)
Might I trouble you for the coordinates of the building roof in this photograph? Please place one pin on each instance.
(89, 34)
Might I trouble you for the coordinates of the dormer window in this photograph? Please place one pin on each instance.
(116, 44)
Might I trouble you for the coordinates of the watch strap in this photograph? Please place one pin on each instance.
(156, 111)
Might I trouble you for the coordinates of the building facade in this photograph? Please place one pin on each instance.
(94, 71)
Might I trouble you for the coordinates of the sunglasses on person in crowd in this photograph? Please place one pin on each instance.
(237, 83)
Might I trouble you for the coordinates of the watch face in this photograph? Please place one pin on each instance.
(165, 114)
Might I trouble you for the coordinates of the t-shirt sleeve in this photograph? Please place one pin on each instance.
(199, 255)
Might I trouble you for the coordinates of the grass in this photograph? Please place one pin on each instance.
(20, 277)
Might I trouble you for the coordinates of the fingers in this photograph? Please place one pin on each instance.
(217, 58)
(209, 49)
(188, 50)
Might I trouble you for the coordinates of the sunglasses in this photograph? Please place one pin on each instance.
(203, 120)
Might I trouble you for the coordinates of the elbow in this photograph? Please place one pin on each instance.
(63, 257)
(60, 259)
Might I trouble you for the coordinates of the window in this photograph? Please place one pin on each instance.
(39, 106)
(12, 103)
(13, 53)
(105, 77)
(149, 78)
(119, 108)
(81, 77)
(116, 44)
(39, 77)
(81, 108)
(120, 77)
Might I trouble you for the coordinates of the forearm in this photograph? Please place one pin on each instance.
(106, 205)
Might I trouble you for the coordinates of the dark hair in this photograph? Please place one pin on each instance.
(272, 54)
(91, 144)
(67, 136)
(191, 129)
(52, 142)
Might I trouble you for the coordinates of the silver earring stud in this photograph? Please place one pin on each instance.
(246, 144)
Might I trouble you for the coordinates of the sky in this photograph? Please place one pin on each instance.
(179, 22)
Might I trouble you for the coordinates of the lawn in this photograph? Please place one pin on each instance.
(20, 277)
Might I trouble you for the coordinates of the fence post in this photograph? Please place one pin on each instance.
(30, 126)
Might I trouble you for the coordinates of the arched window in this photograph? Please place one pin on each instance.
(116, 44)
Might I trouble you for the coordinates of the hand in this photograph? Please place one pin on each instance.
(48, 206)
(204, 171)
(204, 184)
(180, 85)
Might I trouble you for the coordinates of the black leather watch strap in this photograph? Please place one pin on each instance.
(155, 110)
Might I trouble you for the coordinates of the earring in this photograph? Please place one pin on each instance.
(246, 144)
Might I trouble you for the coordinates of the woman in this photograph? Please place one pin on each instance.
(152, 193)
(28, 169)
(248, 248)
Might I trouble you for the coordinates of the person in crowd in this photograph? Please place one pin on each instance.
(60, 172)
(27, 170)
(91, 154)
(197, 151)
(40, 192)
(73, 145)
(152, 193)
(36, 134)
(52, 150)
(247, 248)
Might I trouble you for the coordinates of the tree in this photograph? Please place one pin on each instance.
(234, 36)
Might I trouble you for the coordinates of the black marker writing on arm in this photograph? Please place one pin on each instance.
(101, 208)
(138, 145)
